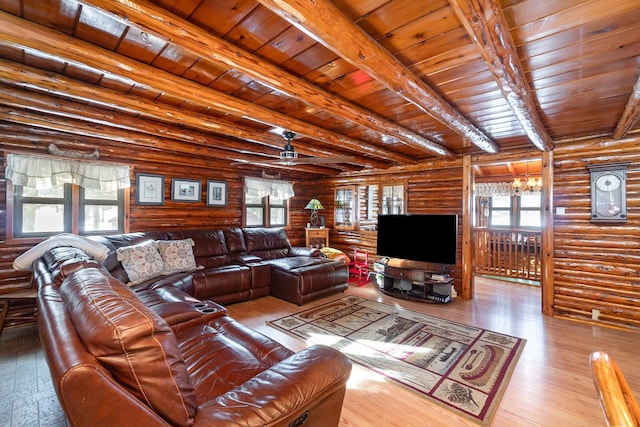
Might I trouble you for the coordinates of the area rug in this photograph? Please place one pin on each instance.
(461, 367)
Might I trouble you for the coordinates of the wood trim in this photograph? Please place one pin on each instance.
(320, 18)
(547, 274)
(468, 261)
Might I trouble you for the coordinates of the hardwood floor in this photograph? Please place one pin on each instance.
(551, 385)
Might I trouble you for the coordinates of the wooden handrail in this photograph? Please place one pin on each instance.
(618, 403)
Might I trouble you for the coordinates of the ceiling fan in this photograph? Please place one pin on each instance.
(288, 155)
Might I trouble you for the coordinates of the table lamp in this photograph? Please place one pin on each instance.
(314, 204)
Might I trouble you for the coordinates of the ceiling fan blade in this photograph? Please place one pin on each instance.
(316, 160)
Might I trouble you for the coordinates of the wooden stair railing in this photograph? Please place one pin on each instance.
(616, 398)
(508, 252)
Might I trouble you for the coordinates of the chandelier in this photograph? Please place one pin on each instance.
(530, 183)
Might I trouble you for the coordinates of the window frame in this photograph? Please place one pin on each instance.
(73, 217)
(265, 206)
(515, 209)
(508, 209)
(528, 209)
(403, 193)
(82, 204)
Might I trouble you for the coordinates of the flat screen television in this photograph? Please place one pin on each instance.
(427, 238)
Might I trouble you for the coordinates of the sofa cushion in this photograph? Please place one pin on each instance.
(141, 262)
(210, 249)
(132, 342)
(267, 243)
(177, 255)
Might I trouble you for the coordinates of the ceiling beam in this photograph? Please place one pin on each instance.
(630, 115)
(134, 106)
(30, 101)
(22, 34)
(93, 130)
(328, 25)
(151, 18)
(487, 26)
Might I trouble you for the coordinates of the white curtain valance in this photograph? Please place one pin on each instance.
(255, 187)
(494, 189)
(45, 172)
(489, 189)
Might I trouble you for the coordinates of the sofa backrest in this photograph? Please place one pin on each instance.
(210, 248)
(116, 241)
(267, 243)
(132, 342)
(235, 241)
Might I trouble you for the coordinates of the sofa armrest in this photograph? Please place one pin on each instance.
(309, 384)
(302, 251)
(246, 259)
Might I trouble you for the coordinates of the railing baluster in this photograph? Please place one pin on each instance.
(508, 252)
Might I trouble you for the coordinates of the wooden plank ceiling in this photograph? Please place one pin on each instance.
(384, 82)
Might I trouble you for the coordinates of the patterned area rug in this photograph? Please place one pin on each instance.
(462, 367)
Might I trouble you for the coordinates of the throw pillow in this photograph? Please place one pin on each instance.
(140, 262)
(177, 255)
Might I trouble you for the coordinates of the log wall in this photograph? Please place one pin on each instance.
(596, 266)
(172, 215)
(432, 188)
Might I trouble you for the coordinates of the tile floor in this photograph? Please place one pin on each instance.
(27, 397)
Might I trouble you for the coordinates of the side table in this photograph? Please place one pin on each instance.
(315, 234)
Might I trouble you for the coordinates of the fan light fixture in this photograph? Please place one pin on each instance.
(314, 204)
(288, 153)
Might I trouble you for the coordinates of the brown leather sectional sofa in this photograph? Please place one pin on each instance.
(242, 264)
(163, 353)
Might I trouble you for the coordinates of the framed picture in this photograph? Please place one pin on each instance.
(185, 190)
(216, 193)
(149, 189)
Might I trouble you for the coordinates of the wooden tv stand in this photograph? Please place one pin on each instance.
(414, 281)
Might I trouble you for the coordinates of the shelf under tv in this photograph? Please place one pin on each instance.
(414, 281)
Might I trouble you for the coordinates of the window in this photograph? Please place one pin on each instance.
(67, 208)
(267, 211)
(266, 202)
(392, 200)
(500, 211)
(530, 210)
(524, 210)
(41, 212)
(101, 211)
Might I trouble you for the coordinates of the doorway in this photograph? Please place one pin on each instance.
(507, 225)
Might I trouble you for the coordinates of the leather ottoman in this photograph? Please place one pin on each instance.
(303, 279)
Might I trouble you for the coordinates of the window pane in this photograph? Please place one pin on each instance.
(51, 193)
(276, 216)
(255, 216)
(500, 218)
(42, 218)
(501, 201)
(530, 219)
(530, 200)
(253, 200)
(276, 201)
(92, 194)
(392, 199)
(100, 218)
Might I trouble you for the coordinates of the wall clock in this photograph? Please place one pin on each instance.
(608, 192)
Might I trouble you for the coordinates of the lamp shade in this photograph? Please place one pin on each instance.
(314, 204)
